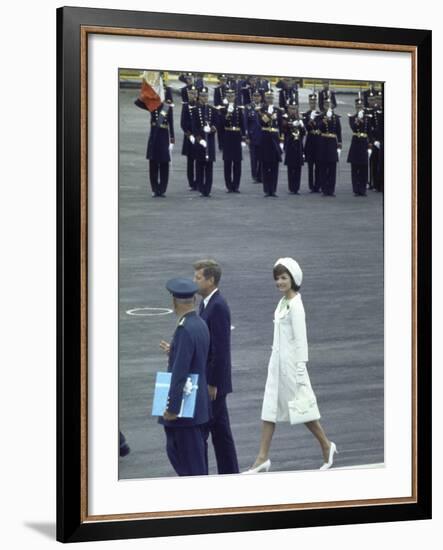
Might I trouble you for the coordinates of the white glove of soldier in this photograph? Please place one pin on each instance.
(377, 144)
(369, 153)
(282, 147)
(171, 147)
(360, 115)
(329, 113)
(207, 129)
(203, 143)
(192, 139)
(243, 144)
(313, 115)
(338, 153)
(231, 108)
(225, 101)
(270, 109)
(296, 123)
(301, 124)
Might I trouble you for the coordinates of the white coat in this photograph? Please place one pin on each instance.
(287, 364)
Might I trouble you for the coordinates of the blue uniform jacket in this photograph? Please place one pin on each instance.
(330, 138)
(188, 354)
(325, 94)
(362, 133)
(312, 137)
(233, 127)
(204, 114)
(253, 126)
(293, 142)
(218, 318)
(162, 131)
(186, 124)
(271, 131)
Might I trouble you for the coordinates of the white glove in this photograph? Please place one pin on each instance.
(203, 143)
(338, 153)
(231, 108)
(171, 147)
(301, 124)
(329, 113)
(192, 139)
(304, 156)
(270, 109)
(296, 123)
(377, 144)
(207, 129)
(369, 153)
(313, 115)
(285, 115)
(243, 144)
(282, 147)
(360, 114)
(225, 101)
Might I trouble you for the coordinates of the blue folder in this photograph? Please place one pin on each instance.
(162, 383)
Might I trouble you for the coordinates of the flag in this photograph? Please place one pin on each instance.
(152, 92)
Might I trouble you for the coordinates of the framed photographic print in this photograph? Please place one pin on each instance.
(245, 204)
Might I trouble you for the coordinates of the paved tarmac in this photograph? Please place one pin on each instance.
(339, 245)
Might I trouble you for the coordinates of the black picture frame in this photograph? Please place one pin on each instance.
(73, 524)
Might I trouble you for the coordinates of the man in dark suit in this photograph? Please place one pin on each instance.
(215, 312)
(188, 354)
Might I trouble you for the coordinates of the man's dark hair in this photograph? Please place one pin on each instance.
(210, 269)
(279, 270)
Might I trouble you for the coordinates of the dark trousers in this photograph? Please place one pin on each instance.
(186, 450)
(328, 174)
(359, 178)
(204, 176)
(158, 176)
(222, 440)
(232, 174)
(270, 177)
(313, 177)
(255, 163)
(376, 170)
(191, 172)
(294, 175)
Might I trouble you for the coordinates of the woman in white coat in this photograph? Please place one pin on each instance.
(288, 393)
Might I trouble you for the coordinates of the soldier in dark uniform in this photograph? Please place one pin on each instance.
(288, 92)
(188, 148)
(324, 94)
(232, 120)
(204, 129)
(221, 101)
(377, 127)
(160, 143)
(370, 91)
(360, 149)
(188, 79)
(271, 146)
(294, 130)
(188, 354)
(329, 148)
(254, 133)
(311, 119)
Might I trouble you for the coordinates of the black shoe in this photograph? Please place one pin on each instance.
(266, 195)
(274, 195)
(236, 191)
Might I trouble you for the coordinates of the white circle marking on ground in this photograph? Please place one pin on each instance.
(149, 311)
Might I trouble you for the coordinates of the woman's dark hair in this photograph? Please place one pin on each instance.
(279, 270)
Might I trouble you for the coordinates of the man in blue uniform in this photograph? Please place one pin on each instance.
(288, 92)
(221, 101)
(254, 133)
(325, 94)
(214, 310)
(160, 144)
(271, 146)
(204, 129)
(310, 119)
(188, 354)
(188, 148)
(360, 149)
(232, 122)
(294, 131)
(329, 148)
(377, 128)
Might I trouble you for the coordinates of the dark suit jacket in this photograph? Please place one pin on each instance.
(218, 318)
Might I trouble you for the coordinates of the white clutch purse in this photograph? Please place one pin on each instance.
(303, 408)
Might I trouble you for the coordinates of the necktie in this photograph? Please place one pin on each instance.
(201, 307)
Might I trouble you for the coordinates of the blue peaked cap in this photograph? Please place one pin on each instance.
(181, 287)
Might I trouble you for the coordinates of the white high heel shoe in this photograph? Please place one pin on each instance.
(263, 467)
(330, 462)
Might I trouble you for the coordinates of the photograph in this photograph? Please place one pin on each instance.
(250, 241)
